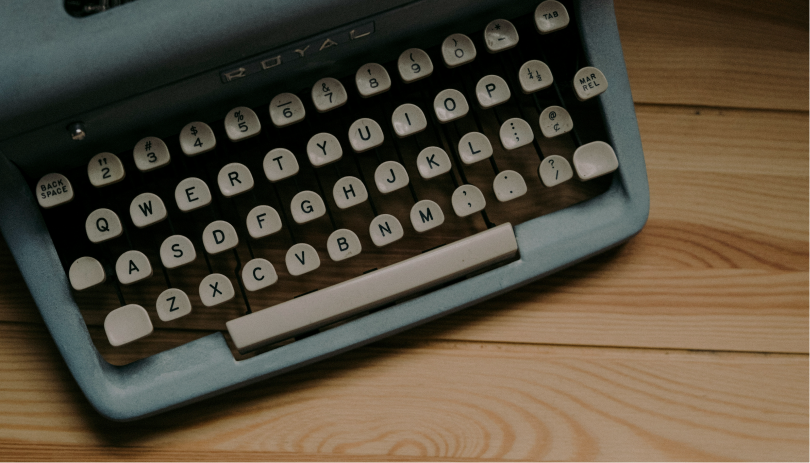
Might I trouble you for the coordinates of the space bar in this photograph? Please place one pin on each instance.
(330, 304)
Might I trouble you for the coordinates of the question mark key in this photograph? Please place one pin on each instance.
(555, 170)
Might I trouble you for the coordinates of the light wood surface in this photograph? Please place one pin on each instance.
(690, 342)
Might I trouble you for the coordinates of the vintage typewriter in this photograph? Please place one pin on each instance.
(299, 178)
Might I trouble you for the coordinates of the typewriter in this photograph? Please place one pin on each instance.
(299, 178)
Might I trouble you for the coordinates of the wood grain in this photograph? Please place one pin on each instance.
(440, 400)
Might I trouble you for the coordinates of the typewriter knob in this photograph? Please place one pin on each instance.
(76, 130)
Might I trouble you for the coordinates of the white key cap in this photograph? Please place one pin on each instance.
(457, 49)
(127, 324)
(365, 134)
(302, 258)
(258, 274)
(534, 75)
(348, 192)
(242, 123)
(328, 94)
(102, 225)
(515, 133)
(589, 82)
(550, 16)
(474, 147)
(263, 221)
(234, 179)
(508, 185)
(150, 153)
(343, 244)
(432, 162)
(500, 35)
(468, 199)
(491, 91)
(147, 209)
(132, 266)
(219, 236)
(197, 138)
(279, 164)
(105, 169)
(172, 304)
(53, 190)
(554, 121)
(554, 170)
(390, 176)
(408, 119)
(414, 64)
(192, 193)
(86, 272)
(385, 285)
(594, 160)
(450, 105)
(324, 148)
(286, 109)
(385, 229)
(307, 206)
(215, 289)
(372, 79)
(426, 215)
(177, 250)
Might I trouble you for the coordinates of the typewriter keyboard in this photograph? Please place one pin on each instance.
(328, 201)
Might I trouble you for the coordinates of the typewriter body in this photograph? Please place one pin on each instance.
(304, 177)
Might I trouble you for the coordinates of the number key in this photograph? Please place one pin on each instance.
(105, 169)
(414, 64)
(197, 138)
(150, 153)
(286, 109)
(242, 123)
(372, 79)
(457, 49)
(328, 94)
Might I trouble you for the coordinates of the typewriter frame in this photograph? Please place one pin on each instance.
(206, 367)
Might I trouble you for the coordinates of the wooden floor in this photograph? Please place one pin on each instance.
(688, 343)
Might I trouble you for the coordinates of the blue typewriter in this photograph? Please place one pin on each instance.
(292, 179)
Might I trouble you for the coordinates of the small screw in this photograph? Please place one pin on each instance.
(76, 130)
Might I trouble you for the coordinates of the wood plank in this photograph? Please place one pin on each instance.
(716, 53)
(438, 400)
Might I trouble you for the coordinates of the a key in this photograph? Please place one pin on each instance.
(263, 221)
(86, 272)
(219, 236)
(176, 251)
(242, 123)
(348, 192)
(589, 82)
(216, 289)
(468, 199)
(408, 119)
(147, 209)
(328, 94)
(414, 64)
(127, 324)
(372, 79)
(491, 91)
(450, 105)
(457, 50)
(258, 274)
(385, 229)
(515, 133)
(550, 16)
(432, 162)
(323, 148)
(426, 215)
(508, 185)
(105, 169)
(554, 170)
(474, 147)
(53, 190)
(534, 76)
(192, 193)
(234, 179)
(197, 138)
(286, 109)
(342, 244)
(172, 304)
(390, 176)
(132, 266)
(302, 258)
(102, 225)
(279, 164)
(150, 153)
(500, 35)
(594, 160)
(307, 206)
(365, 134)
(554, 121)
